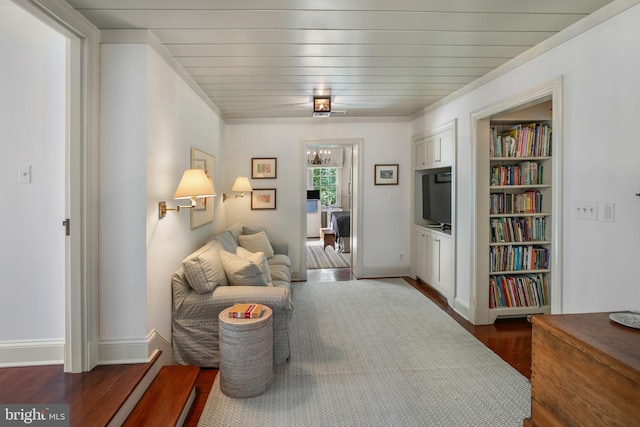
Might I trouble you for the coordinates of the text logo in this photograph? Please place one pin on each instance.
(34, 415)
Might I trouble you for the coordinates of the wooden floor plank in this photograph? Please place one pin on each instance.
(171, 388)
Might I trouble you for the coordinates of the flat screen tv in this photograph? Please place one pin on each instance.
(436, 198)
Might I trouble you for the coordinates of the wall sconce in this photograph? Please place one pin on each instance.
(321, 106)
(240, 185)
(195, 184)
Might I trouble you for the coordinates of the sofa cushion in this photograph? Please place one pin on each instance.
(257, 258)
(203, 268)
(279, 259)
(228, 241)
(241, 271)
(257, 243)
(280, 272)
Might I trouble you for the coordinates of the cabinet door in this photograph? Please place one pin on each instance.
(446, 266)
(420, 251)
(433, 260)
(434, 154)
(420, 155)
(446, 148)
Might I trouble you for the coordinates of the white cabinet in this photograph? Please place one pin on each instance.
(445, 148)
(419, 252)
(420, 154)
(433, 259)
(435, 151)
(445, 264)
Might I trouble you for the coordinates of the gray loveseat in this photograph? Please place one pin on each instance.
(215, 277)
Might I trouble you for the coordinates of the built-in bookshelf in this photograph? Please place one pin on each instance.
(519, 209)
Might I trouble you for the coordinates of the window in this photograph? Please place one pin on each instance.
(327, 181)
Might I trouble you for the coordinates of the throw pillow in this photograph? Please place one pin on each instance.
(240, 271)
(253, 230)
(257, 258)
(228, 241)
(203, 269)
(257, 243)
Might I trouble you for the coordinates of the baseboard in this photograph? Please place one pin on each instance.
(115, 352)
(112, 352)
(461, 308)
(373, 272)
(157, 342)
(31, 353)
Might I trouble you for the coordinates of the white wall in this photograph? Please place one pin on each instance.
(601, 159)
(32, 132)
(385, 212)
(150, 119)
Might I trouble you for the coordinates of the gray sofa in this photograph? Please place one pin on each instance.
(215, 277)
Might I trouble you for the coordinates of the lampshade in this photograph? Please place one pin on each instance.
(241, 184)
(194, 184)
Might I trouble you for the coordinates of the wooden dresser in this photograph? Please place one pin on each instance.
(585, 372)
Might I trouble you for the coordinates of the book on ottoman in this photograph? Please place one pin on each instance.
(246, 311)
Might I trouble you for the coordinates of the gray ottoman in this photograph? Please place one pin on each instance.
(246, 354)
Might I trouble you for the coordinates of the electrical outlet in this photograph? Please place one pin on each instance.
(586, 210)
(401, 256)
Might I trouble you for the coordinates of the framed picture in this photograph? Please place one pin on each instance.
(263, 198)
(386, 174)
(203, 213)
(263, 167)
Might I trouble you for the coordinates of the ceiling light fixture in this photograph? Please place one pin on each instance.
(321, 106)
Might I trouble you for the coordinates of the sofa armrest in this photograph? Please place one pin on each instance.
(277, 298)
(205, 307)
(280, 248)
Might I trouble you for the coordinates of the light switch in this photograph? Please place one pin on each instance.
(24, 174)
(608, 214)
(586, 210)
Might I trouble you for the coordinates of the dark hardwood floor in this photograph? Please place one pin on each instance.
(510, 339)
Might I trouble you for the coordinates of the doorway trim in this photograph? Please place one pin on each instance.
(81, 178)
(552, 90)
(357, 145)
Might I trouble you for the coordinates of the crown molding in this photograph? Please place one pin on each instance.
(588, 22)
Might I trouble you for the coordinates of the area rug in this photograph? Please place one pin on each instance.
(317, 257)
(378, 353)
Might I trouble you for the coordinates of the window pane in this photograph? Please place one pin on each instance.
(325, 180)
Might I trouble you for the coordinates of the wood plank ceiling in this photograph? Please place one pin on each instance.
(267, 58)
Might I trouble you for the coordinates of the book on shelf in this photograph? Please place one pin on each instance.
(517, 258)
(527, 290)
(517, 229)
(529, 201)
(532, 140)
(523, 173)
(246, 311)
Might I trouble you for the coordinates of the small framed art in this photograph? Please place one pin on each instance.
(203, 212)
(386, 174)
(263, 199)
(264, 167)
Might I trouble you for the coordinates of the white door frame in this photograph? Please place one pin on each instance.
(357, 145)
(81, 178)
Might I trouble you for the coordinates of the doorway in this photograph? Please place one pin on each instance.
(330, 182)
(80, 348)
